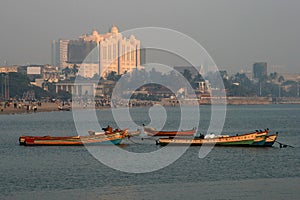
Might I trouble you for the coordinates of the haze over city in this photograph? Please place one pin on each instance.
(235, 33)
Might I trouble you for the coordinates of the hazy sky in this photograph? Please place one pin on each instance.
(236, 33)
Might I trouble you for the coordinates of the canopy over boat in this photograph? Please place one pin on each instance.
(153, 132)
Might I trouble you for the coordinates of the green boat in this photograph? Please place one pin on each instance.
(237, 140)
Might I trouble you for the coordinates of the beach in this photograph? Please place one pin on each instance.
(43, 107)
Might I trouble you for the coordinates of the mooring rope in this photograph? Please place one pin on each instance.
(281, 145)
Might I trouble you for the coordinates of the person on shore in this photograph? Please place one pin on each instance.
(34, 108)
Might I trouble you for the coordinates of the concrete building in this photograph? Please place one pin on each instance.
(80, 88)
(91, 88)
(50, 73)
(55, 53)
(103, 53)
(259, 70)
(59, 53)
(8, 69)
(63, 53)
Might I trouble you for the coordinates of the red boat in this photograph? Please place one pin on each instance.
(153, 132)
(114, 137)
(25, 138)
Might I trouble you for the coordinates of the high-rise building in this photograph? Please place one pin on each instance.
(59, 53)
(259, 70)
(63, 53)
(99, 53)
(79, 50)
(143, 56)
(103, 53)
(55, 53)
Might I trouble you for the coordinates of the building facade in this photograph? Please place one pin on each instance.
(90, 88)
(103, 53)
(54, 53)
(59, 53)
(63, 53)
(259, 70)
(99, 54)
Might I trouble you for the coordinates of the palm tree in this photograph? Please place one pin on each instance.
(280, 80)
(187, 75)
(66, 71)
(113, 76)
(273, 76)
(75, 69)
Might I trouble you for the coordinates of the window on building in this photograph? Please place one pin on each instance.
(132, 55)
(128, 53)
(109, 52)
(104, 52)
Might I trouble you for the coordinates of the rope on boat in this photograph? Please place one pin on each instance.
(281, 145)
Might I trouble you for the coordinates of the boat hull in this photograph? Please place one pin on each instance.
(72, 143)
(270, 140)
(242, 140)
(113, 138)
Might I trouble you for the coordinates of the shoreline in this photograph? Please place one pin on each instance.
(53, 107)
(45, 107)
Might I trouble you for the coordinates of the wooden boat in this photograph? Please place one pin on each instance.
(24, 138)
(64, 107)
(270, 140)
(153, 132)
(113, 138)
(259, 142)
(239, 140)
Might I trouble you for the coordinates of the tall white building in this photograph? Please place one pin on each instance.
(99, 54)
(111, 52)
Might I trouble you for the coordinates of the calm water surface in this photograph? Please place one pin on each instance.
(226, 173)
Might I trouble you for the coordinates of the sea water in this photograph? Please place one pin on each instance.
(59, 172)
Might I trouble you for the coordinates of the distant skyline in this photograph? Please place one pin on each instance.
(235, 33)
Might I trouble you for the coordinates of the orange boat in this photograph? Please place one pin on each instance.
(238, 140)
(105, 138)
(270, 140)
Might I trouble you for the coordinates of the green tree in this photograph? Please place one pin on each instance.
(240, 85)
(281, 79)
(112, 76)
(187, 75)
(75, 69)
(273, 76)
(195, 82)
(67, 71)
(20, 84)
